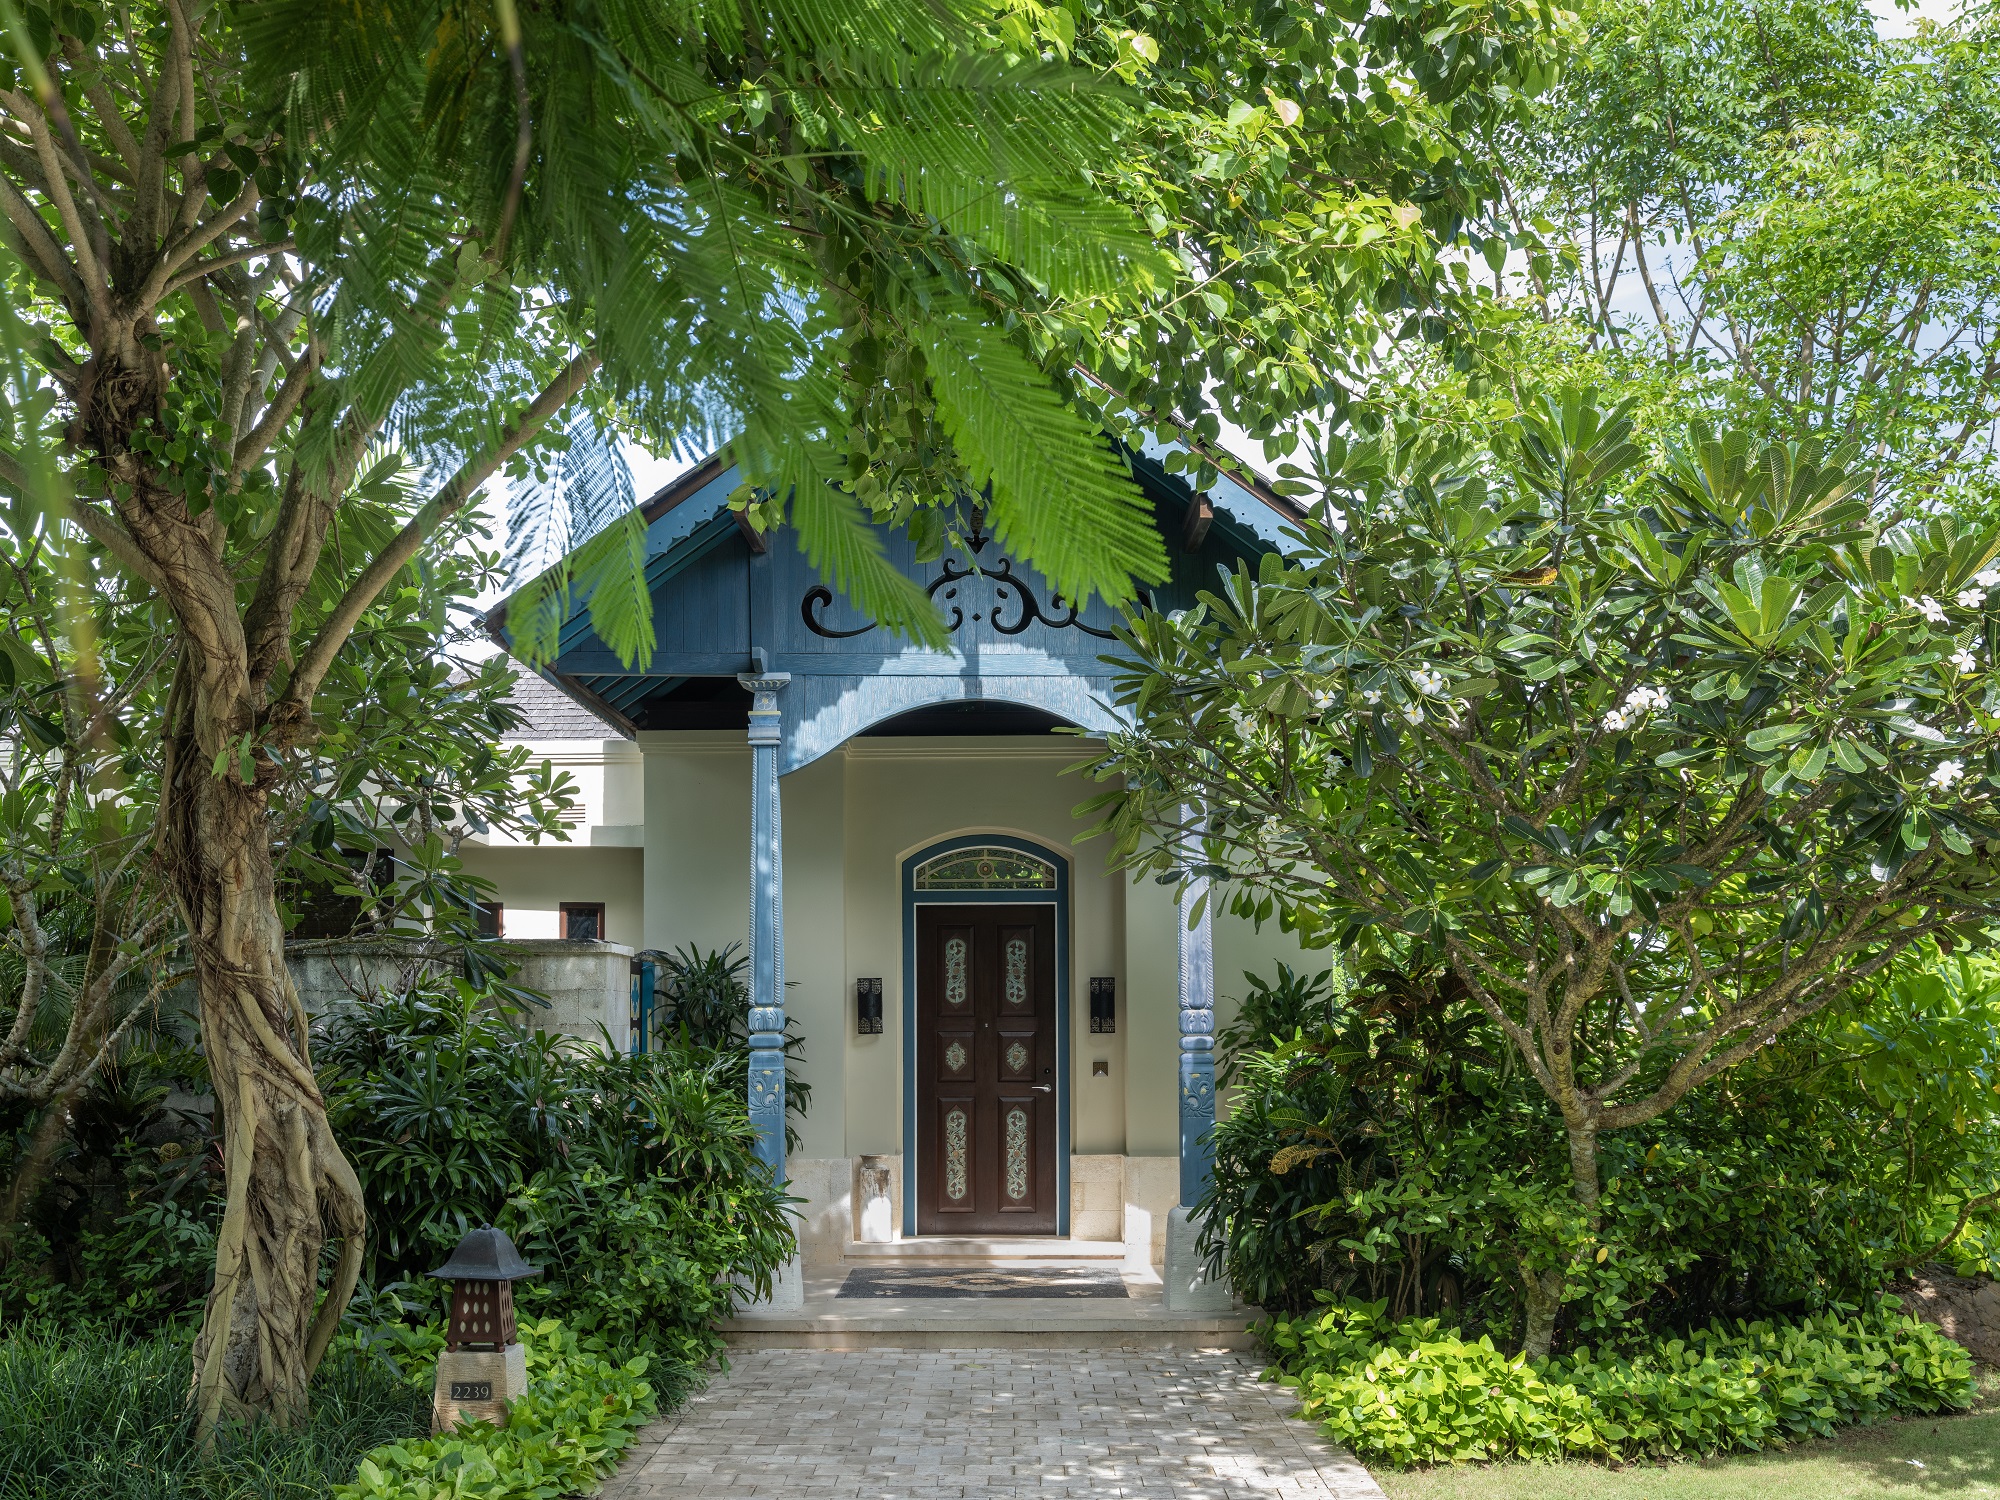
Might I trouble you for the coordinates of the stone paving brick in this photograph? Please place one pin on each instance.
(988, 1424)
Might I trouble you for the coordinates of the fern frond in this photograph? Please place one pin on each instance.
(1059, 495)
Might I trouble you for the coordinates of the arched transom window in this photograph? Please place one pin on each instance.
(986, 868)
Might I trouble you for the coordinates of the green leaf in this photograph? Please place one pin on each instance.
(1771, 738)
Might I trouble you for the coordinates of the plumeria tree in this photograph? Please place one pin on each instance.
(1654, 757)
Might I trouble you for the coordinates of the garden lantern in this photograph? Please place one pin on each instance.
(483, 1366)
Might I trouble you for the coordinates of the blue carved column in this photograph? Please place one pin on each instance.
(1189, 1286)
(767, 924)
(767, 950)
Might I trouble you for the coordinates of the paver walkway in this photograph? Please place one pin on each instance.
(969, 1424)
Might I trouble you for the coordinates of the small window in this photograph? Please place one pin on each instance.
(583, 921)
(492, 918)
(986, 868)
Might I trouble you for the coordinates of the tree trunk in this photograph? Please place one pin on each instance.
(289, 1184)
(1543, 1290)
(1583, 1168)
(1544, 1293)
(33, 1170)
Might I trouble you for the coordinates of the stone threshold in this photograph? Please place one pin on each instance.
(983, 1248)
(1138, 1321)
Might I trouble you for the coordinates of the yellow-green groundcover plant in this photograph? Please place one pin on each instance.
(1414, 1392)
(580, 1413)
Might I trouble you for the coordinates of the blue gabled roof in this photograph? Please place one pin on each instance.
(720, 592)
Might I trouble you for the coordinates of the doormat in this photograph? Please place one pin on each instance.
(903, 1281)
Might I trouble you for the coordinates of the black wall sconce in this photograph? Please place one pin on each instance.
(867, 1007)
(1103, 1006)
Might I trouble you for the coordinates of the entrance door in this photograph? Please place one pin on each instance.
(986, 1070)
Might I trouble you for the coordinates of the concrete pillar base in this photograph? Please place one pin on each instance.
(1189, 1288)
(788, 1287)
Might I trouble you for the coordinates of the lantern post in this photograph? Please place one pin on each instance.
(483, 1366)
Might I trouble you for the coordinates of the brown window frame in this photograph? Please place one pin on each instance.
(496, 912)
(564, 908)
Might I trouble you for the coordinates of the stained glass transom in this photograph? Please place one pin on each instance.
(954, 1156)
(986, 869)
(1017, 1153)
(1017, 1058)
(954, 971)
(954, 1057)
(1015, 988)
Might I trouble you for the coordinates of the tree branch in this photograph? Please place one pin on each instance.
(297, 701)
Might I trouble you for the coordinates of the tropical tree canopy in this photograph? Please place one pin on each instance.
(1654, 757)
(286, 285)
(1776, 211)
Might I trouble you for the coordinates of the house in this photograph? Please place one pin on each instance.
(1004, 1038)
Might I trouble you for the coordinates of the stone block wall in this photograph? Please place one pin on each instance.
(1152, 1187)
(1097, 1198)
(586, 984)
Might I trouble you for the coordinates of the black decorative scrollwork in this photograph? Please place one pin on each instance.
(1008, 588)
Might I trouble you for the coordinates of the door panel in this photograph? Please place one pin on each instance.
(986, 1070)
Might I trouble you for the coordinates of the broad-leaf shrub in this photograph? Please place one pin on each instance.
(1387, 1149)
(1414, 1392)
(632, 1181)
(579, 1414)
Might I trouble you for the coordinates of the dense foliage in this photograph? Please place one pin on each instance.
(87, 1412)
(630, 1179)
(702, 1000)
(581, 1411)
(1382, 1145)
(1776, 211)
(1656, 757)
(1410, 1392)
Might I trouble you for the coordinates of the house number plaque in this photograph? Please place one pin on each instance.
(472, 1390)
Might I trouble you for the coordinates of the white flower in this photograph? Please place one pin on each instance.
(1322, 700)
(1931, 610)
(1648, 700)
(1964, 660)
(1413, 713)
(1987, 578)
(1428, 681)
(1371, 696)
(1617, 720)
(1948, 772)
(1971, 598)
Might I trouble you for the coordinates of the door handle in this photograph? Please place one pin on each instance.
(1041, 1088)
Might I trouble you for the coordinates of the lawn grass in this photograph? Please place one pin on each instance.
(91, 1414)
(1960, 1456)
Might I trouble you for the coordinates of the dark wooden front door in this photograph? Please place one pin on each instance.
(986, 1070)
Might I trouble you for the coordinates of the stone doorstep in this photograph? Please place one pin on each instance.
(977, 1249)
(850, 1338)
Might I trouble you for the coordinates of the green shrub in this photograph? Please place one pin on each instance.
(703, 1003)
(632, 1181)
(1413, 1392)
(103, 1413)
(1385, 1148)
(579, 1414)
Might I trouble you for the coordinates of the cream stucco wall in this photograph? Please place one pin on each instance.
(532, 881)
(849, 821)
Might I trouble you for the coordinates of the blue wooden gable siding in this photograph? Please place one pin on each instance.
(717, 603)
